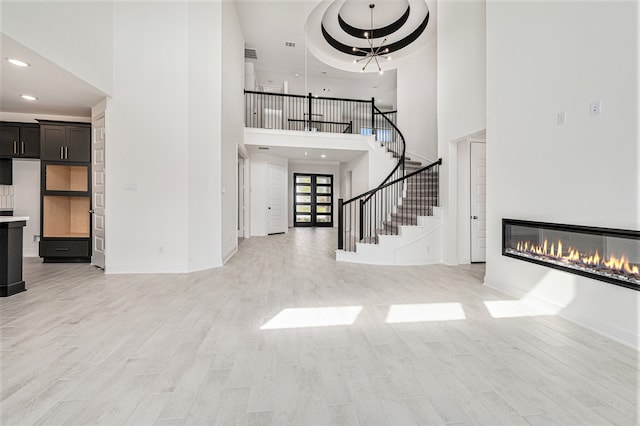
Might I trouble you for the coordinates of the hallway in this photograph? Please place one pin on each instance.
(282, 334)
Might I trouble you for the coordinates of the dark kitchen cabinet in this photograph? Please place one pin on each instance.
(65, 226)
(62, 141)
(6, 171)
(19, 140)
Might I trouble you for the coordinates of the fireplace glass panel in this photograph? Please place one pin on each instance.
(610, 255)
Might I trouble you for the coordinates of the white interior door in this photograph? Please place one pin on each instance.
(276, 199)
(98, 196)
(240, 197)
(478, 174)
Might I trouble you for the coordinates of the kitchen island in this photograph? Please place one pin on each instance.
(11, 254)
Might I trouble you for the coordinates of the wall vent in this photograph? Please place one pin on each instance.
(265, 148)
(250, 53)
(290, 43)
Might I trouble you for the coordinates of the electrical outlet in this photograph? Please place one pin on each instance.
(595, 108)
(562, 118)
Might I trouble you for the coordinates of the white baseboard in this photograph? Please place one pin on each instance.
(621, 335)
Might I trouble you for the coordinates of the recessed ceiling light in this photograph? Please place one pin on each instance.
(305, 153)
(296, 75)
(17, 62)
(323, 156)
(28, 97)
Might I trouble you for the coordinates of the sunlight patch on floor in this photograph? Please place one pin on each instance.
(423, 312)
(313, 317)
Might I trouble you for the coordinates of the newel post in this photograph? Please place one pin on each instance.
(373, 117)
(310, 114)
(340, 225)
(361, 227)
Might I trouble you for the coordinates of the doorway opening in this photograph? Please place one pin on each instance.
(313, 200)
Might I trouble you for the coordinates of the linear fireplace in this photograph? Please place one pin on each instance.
(611, 255)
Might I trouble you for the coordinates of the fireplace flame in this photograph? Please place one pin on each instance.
(596, 260)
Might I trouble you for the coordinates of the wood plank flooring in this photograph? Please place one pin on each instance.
(82, 348)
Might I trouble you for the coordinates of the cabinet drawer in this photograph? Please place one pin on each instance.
(64, 248)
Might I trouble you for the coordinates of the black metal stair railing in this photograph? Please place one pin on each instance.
(314, 114)
(407, 192)
(382, 210)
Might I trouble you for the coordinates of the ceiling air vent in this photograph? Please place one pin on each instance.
(263, 148)
(250, 53)
(290, 43)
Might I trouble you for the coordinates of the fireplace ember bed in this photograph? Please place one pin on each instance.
(605, 254)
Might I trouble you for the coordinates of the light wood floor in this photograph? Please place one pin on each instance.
(81, 347)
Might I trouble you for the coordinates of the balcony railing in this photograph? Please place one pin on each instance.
(318, 114)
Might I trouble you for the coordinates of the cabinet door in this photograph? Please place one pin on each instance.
(30, 142)
(53, 142)
(9, 136)
(78, 144)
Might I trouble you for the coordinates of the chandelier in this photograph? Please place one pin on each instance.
(373, 53)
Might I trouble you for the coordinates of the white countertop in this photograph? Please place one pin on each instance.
(4, 219)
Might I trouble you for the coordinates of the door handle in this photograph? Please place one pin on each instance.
(92, 211)
(474, 217)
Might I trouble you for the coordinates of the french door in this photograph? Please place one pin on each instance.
(313, 199)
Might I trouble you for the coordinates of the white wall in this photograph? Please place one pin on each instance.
(314, 167)
(147, 228)
(76, 35)
(204, 141)
(461, 98)
(417, 94)
(26, 201)
(585, 172)
(232, 123)
(258, 190)
(359, 168)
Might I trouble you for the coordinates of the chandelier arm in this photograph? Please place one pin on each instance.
(377, 63)
(369, 61)
(380, 47)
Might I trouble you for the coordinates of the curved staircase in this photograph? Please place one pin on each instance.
(397, 223)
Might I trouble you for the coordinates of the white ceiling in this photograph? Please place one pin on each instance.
(58, 91)
(308, 154)
(267, 25)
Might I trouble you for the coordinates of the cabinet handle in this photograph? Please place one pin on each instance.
(15, 147)
(62, 153)
(22, 148)
(61, 248)
(66, 152)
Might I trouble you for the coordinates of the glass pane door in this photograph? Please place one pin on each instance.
(313, 200)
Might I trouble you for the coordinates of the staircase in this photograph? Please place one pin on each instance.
(397, 223)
